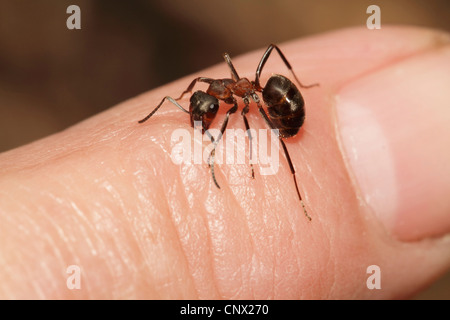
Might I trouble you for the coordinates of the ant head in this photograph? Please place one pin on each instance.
(203, 108)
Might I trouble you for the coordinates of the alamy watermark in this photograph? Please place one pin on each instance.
(73, 281)
(74, 20)
(374, 20)
(232, 148)
(374, 280)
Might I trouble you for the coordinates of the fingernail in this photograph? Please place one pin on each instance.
(394, 132)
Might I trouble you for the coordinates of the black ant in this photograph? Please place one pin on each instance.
(284, 102)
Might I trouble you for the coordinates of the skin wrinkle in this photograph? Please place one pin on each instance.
(37, 289)
(242, 213)
(63, 237)
(189, 195)
(331, 237)
(256, 259)
(216, 251)
(305, 154)
(112, 251)
(139, 246)
(216, 278)
(143, 231)
(211, 253)
(123, 250)
(24, 268)
(183, 247)
(279, 260)
(297, 245)
(119, 252)
(333, 283)
(82, 225)
(52, 284)
(247, 250)
(45, 265)
(247, 271)
(209, 241)
(277, 223)
(86, 222)
(298, 260)
(175, 226)
(10, 271)
(316, 284)
(286, 263)
(49, 241)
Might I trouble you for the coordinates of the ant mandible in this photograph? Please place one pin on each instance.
(284, 102)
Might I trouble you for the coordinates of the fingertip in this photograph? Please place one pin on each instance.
(392, 124)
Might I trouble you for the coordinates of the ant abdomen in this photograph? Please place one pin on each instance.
(285, 105)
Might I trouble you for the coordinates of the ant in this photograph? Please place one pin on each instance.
(284, 102)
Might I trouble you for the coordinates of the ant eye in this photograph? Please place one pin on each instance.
(214, 107)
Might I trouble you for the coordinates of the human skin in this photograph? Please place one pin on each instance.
(105, 195)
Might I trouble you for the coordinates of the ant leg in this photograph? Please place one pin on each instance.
(159, 105)
(192, 84)
(234, 74)
(263, 61)
(211, 156)
(288, 158)
(247, 128)
(233, 109)
(291, 166)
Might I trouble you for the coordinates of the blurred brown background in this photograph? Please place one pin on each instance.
(52, 77)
